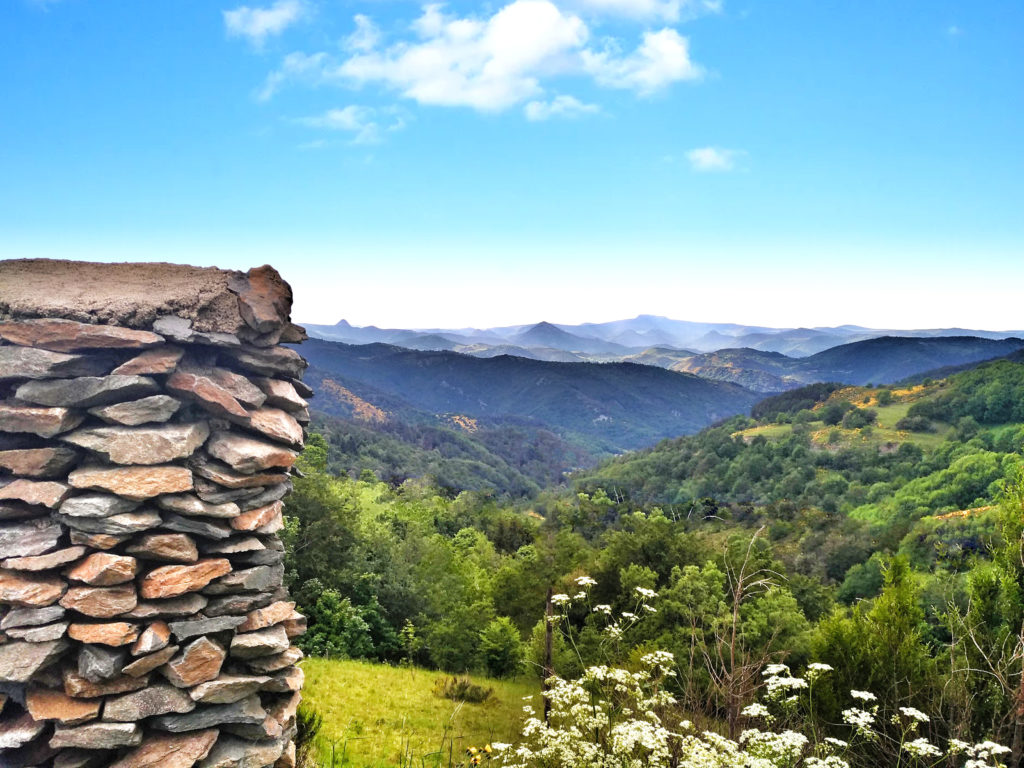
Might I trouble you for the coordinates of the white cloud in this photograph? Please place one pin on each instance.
(366, 124)
(661, 59)
(257, 24)
(713, 159)
(954, 31)
(647, 10)
(296, 66)
(366, 36)
(560, 106)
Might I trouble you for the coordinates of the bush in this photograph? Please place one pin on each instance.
(859, 417)
(461, 689)
(915, 424)
(501, 648)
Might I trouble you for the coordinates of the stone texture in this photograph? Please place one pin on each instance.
(228, 689)
(186, 605)
(81, 758)
(223, 475)
(101, 602)
(169, 750)
(29, 363)
(99, 662)
(136, 483)
(216, 494)
(41, 634)
(51, 461)
(207, 393)
(69, 336)
(288, 680)
(183, 630)
(15, 510)
(44, 562)
(238, 386)
(46, 493)
(233, 546)
(262, 618)
(115, 525)
(30, 590)
(97, 736)
(232, 752)
(236, 605)
(277, 425)
(45, 422)
(191, 525)
(142, 445)
(247, 455)
(102, 541)
(281, 394)
(31, 617)
(190, 504)
(97, 505)
(154, 637)
(146, 664)
(255, 519)
(155, 408)
(198, 662)
(158, 361)
(266, 496)
(264, 299)
(174, 580)
(275, 663)
(86, 391)
(19, 731)
(245, 712)
(171, 547)
(264, 642)
(160, 699)
(81, 688)
(103, 569)
(47, 704)
(275, 361)
(255, 579)
(19, 661)
(113, 633)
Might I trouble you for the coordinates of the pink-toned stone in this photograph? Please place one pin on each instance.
(276, 424)
(286, 681)
(173, 547)
(47, 704)
(200, 661)
(276, 662)
(38, 462)
(173, 580)
(113, 633)
(18, 731)
(44, 562)
(46, 493)
(202, 390)
(147, 410)
(281, 394)
(102, 569)
(135, 483)
(246, 455)
(264, 299)
(97, 736)
(142, 445)
(158, 361)
(170, 750)
(101, 602)
(30, 591)
(257, 518)
(294, 626)
(68, 336)
(45, 422)
(97, 540)
(156, 636)
(224, 475)
(80, 688)
(146, 664)
(238, 386)
(262, 618)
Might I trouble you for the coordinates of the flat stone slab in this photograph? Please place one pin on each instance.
(169, 750)
(86, 391)
(155, 408)
(29, 363)
(19, 731)
(264, 642)
(47, 704)
(233, 752)
(136, 483)
(280, 394)
(51, 461)
(81, 688)
(183, 630)
(142, 445)
(70, 336)
(114, 633)
(186, 605)
(255, 579)
(19, 661)
(288, 680)
(46, 493)
(248, 455)
(191, 525)
(115, 525)
(169, 547)
(191, 505)
(257, 518)
(45, 422)
(31, 617)
(198, 662)
(30, 590)
(44, 562)
(173, 580)
(261, 618)
(159, 699)
(146, 664)
(97, 736)
(248, 711)
(273, 361)
(236, 605)
(227, 689)
(275, 663)
(277, 425)
(102, 541)
(97, 505)
(100, 662)
(41, 634)
(200, 388)
(158, 361)
(101, 602)
(103, 569)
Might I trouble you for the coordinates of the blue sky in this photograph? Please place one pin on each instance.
(785, 162)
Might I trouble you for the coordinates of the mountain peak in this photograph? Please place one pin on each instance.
(343, 323)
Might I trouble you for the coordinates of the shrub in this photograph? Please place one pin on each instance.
(461, 688)
(501, 648)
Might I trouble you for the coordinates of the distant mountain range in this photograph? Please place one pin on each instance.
(621, 340)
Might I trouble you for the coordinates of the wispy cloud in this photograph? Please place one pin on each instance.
(560, 106)
(647, 10)
(367, 125)
(257, 24)
(954, 31)
(494, 62)
(713, 159)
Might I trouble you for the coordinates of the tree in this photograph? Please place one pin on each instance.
(501, 648)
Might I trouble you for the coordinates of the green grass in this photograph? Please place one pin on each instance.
(376, 715)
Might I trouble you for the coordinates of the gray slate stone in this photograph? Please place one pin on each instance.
(30, 538)
(233, 752)
(129, 522)
(145, 664)
(263, 642)
(148, 410)
(31, 617)
(41, 634)
(158, 699)
(248, 711)
(97, 505)
(216, 494)
(86, 391)
(183, 630)
(31, 363)
(15, 732)
(174, 522)
(98, 736)
(269, 496)
(190, 504)
(19, 661)
(227, 689)
(99, 662)
(183, 605)
(246, 580)
(236, 605)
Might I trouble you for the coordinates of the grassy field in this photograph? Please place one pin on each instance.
(376, 715)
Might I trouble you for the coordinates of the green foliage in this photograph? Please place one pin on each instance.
(501, 648)
(461, 689)
(793, 402)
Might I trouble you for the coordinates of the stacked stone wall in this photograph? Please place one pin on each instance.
(149, 422)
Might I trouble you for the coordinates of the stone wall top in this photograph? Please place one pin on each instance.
(175, 300)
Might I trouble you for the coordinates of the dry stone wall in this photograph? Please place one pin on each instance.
(149, 422)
